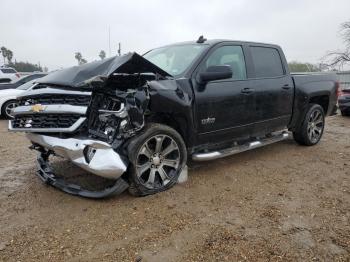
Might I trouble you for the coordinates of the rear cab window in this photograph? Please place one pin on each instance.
(267, 62)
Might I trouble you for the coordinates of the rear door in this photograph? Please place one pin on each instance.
(273, 87)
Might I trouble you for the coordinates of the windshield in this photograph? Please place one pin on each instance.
(21, 79)
(175, 59)
(26, 86)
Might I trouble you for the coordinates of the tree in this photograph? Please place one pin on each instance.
(341, 57)
(295, 66)
(25, 67)
(19, 66)
(102, 54)
(4, 53)
(9, 56)
(78, 56)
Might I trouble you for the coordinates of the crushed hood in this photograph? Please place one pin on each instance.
(80, 76)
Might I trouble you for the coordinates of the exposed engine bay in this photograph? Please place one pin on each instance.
(119, 114)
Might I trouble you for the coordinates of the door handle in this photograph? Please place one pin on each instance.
(286, 87)
(247, 90)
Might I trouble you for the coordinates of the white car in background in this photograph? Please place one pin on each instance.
(8, 74)
(8, 98)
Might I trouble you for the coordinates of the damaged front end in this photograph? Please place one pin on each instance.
(86, 114)
(117, 114)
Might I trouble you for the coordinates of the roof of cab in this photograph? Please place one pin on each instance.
(218, 41)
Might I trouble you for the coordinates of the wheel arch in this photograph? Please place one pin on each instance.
(177, 123)
(302, 101)
(322, 100)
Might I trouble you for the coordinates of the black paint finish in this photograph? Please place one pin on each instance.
(211, 114)
(242, 109)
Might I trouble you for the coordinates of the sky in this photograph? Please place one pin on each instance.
(50, 32)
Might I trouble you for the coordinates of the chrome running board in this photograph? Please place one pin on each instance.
(240, 148)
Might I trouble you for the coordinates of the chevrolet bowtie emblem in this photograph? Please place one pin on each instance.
(37, 108)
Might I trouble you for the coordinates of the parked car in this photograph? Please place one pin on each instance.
(8, 98)
(21, 81)
(344, 102)
(8, 74)
(136, 120)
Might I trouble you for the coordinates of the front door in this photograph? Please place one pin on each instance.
(225, 109)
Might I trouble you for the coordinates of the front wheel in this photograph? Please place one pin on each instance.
(311, 129)
(7, 108)
(157, 157)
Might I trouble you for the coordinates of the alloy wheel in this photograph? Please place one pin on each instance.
(158, 161)
(9, 107)
(315, 126)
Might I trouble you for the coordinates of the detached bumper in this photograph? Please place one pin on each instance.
(94, 156)
(47, 176)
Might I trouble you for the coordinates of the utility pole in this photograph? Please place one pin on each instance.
(109, 40)
(119, 49)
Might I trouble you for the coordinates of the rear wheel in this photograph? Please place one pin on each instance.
(311, 129)
(7, 108)
(157, 157)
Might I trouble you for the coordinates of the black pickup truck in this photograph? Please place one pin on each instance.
(137, 120)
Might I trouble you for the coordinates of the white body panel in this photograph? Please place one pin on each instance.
(13, 76)
(9, 94)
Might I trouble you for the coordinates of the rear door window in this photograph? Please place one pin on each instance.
(267, 62)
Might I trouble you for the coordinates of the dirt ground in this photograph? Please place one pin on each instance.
(283, 202)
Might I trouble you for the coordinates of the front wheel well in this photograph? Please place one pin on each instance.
(169, 120)
(2, 107)
(322, 101)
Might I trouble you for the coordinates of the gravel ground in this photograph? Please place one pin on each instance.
(283, 202)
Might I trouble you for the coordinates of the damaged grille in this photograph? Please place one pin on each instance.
(99, 127)
(77, 100)
(45, 121)
(50, 110)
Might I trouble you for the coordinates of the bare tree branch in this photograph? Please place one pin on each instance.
(340, 58)
(345, 33)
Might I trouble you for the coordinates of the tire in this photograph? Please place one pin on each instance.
(157, 157)
(311, 129)
(7, 106)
